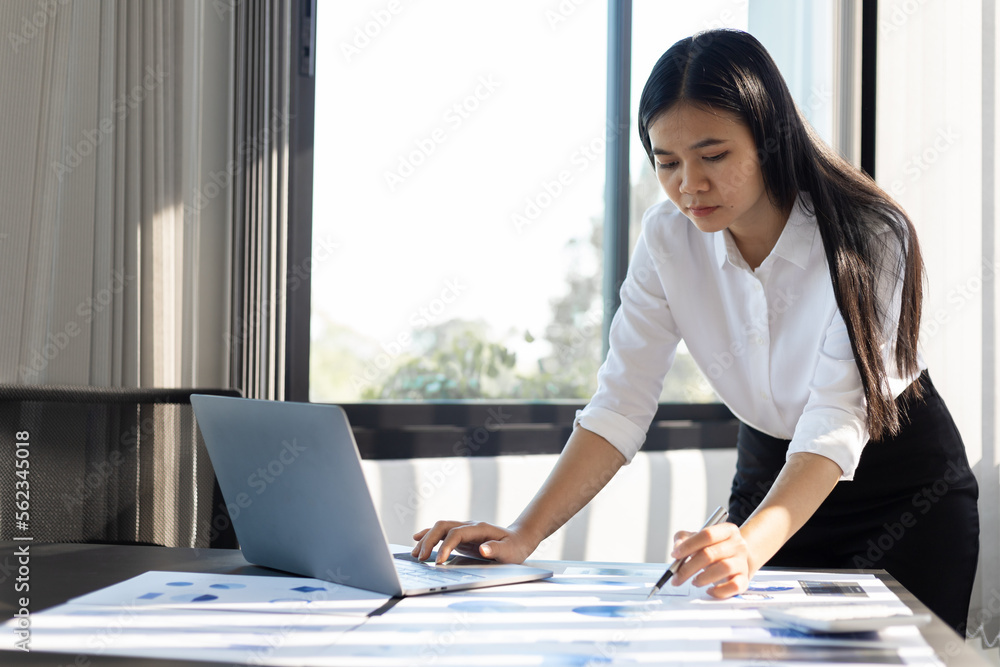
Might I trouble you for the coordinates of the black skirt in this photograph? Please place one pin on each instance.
(910, 510)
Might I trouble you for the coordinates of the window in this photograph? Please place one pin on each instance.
(458, 207)
(459, 173)
(799, 37)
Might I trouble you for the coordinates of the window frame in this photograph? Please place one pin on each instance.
(395, 430)
(302, 126)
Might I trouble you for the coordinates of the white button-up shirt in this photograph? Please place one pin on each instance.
(771, 341)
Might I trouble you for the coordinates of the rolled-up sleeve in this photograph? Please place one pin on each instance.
(643, 341)
(834, 422)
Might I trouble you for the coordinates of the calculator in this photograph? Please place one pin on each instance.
(843, 617)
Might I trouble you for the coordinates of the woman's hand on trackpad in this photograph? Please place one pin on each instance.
(472, 538)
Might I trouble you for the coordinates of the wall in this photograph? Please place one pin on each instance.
(632, 520)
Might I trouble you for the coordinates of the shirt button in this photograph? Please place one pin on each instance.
(756, 287)
(759, 340)
(764, 396)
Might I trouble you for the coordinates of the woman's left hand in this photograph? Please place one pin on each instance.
(718, 555)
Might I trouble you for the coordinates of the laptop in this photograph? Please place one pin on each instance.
(291, 476)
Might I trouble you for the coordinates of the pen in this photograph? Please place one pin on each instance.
(718, 516)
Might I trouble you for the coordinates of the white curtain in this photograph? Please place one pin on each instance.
(114, 205)
(261, 125)
(936, 153)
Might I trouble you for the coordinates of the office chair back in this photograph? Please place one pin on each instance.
(107, 465)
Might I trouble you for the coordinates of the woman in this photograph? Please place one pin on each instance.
(795, 282)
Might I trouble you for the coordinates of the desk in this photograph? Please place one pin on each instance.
(59, 572)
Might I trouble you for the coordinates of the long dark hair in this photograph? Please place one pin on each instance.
(730, 70)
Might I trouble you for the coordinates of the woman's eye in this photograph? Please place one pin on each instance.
(666, 165)
(716, 158)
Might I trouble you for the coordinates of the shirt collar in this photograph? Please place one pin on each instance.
(725, 249)
(794, 244)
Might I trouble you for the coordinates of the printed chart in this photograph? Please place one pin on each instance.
(584, 616)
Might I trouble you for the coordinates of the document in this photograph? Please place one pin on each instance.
(590, 614)
(234, 592)
(602, 617)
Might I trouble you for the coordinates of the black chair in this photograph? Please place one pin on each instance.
(108, 465)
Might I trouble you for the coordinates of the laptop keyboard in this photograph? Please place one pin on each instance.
(420, 573)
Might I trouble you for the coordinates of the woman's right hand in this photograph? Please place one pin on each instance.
(586, 464)
(473, 538)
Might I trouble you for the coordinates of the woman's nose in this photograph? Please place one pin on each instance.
(693, 180)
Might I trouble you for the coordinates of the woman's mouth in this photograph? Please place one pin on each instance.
(702, 211)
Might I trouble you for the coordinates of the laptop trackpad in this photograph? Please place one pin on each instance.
(455, 560)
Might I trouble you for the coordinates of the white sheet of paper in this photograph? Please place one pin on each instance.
(643, 577)
(235, 592)
(151, 632)
(587, 616)
(584, 616)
